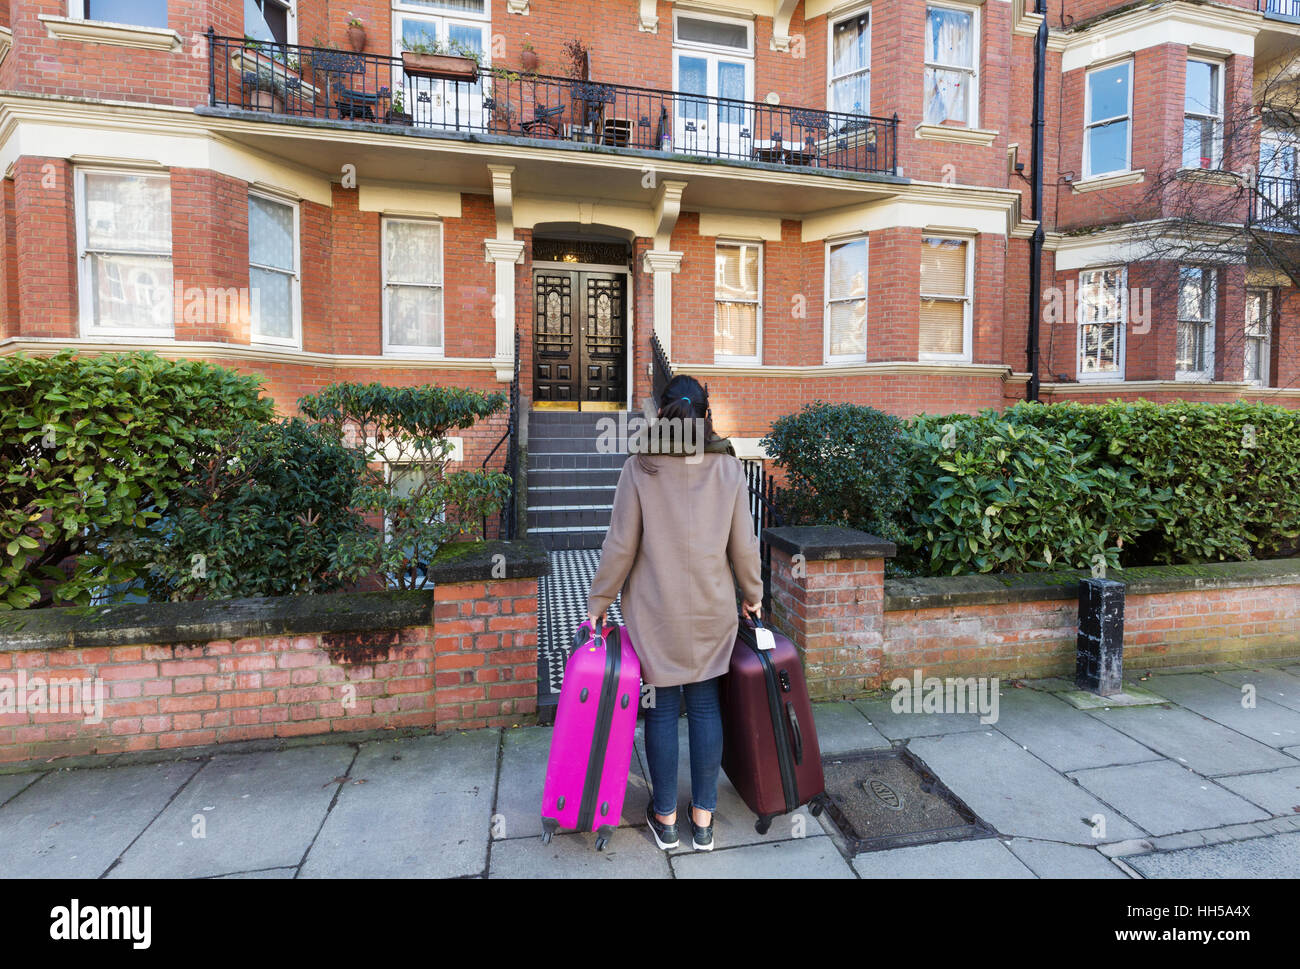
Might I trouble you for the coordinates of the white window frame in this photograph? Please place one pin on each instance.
(748, 24)
(402, 349)
(1121, 336)
(1212, 333)
(77, 11)
(291, 18)
(86, 300)
(1088, 125)
(827, 356)
(295, 276)
(968, 300)
(831, 23)
(1221, 68)
(1265, 339)
(731, 358)
(977, 47)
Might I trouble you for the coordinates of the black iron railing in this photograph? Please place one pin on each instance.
(509, 518)
(1289, 9)
(317, 82)
(662, 371)
(1275, 203)
(764, 506)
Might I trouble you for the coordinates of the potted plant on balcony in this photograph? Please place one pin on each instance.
(528, 58)
(396, 113)
(356, 33)
(444, 61)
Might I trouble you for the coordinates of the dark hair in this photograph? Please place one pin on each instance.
(685, 398)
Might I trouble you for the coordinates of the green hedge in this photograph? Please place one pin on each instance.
(1059, 486)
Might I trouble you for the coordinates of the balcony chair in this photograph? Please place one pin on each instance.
(340, 68)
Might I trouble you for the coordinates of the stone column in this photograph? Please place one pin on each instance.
(828, 596)
(662, 264)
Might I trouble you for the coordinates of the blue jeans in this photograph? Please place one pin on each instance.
(704, 728)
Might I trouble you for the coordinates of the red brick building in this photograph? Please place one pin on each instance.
(812, 199)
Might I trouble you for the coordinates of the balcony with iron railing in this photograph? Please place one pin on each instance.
(314, 83)
(1281, 9)
(1275, 203)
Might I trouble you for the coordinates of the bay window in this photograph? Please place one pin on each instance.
(1108, 106)
(846, 299)
(951, 55)
(1259, 332)
(273, 273)
(737, 301)
(124, 249)
(136, 13)
(1203, 115)
(1196, 311)
(849, 84)
(412, 273)
(1102, 307)
(945, 319)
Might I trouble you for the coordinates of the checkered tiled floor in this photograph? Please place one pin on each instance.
(563, 595)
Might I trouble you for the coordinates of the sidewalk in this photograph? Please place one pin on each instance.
(1199, 787)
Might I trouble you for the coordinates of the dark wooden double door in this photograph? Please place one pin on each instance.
(579, 339)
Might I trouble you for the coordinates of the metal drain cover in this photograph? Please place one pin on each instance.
(888, 799)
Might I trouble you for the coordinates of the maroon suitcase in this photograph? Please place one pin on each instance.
(769, 746)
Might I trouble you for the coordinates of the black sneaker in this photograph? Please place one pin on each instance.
(665, 835)
(702, 837)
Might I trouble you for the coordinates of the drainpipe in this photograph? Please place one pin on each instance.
(1036, 244)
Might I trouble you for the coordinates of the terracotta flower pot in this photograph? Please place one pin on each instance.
(529, 60)
(357, 38)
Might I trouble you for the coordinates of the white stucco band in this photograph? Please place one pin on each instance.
(975, 211)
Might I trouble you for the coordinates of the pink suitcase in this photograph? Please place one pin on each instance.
(591, 748)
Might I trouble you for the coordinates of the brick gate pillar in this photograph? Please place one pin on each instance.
(828, 596)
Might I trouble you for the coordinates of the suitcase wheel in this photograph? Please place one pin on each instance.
(600, 843)
(549, 827)
(762, 824)
(546, 837)
(816, 807)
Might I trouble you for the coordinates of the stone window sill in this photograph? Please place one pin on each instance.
(118, 35)
(961, 136)
(1113, 180)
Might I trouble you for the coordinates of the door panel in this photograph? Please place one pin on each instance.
(579, 339)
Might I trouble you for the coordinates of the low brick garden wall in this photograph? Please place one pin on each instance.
(1026, 625)
(139, 677)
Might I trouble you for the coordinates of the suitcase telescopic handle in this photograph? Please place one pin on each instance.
(796, 735)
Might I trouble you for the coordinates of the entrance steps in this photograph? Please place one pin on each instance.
(570, 484)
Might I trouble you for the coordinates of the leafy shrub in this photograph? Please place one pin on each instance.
(843, 465)
(423, 503)
(268, 513)
(992, 494)
(91, 451)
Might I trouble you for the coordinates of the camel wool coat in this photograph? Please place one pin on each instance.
(678, 531)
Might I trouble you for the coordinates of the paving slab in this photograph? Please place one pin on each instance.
(424, 812)
(985, 858)
(841, 727)
(795, 858)
(1206, 747)
(1131, 696)
(1266, 722)
(630, 854)
(268, 873)
(1048, 859)
(1277, 792)
(75, 824)
(1276, 686)
(523, 777)
(1014, 791)
(900, 726)
(241, 812)
(1065, 737)
(1276, 856)
(1292, 751)
(1165, 798)
(733, 821)
(12, 784)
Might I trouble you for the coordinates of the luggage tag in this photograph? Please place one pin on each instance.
(763, 637)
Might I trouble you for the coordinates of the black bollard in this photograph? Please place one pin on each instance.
(1099, 656)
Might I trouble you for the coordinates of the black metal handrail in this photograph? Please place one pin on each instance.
(764, 507)
(662, 371)
(508, 529)
(318, 82)
(1275, 203)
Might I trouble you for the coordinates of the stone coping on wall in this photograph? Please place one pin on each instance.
(159, 623)
(820, 543)
(991, 589)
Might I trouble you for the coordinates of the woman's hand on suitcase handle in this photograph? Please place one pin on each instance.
(754, 610)
(597, 623)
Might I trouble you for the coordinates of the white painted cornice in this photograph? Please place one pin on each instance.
(1231, 29)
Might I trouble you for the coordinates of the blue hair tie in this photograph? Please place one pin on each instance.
(687, 399)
